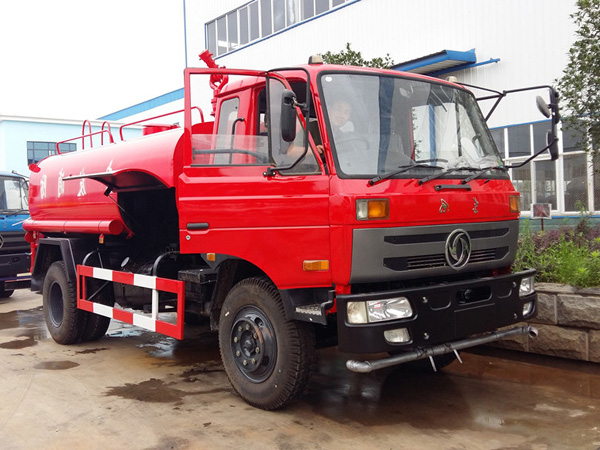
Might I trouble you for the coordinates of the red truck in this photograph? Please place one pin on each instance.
(323, 205)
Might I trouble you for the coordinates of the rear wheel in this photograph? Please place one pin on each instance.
(64, 321)
(269, 360)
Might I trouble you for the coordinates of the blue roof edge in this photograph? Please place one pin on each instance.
(145, 106)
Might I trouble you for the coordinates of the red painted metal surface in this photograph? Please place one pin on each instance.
(55, 197)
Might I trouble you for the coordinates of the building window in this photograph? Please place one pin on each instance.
(545, 182)
(569, 184)
(36, 151)
(519, 141)
(261, 18)
(576, 181)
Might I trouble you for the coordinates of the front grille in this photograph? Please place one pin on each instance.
(407, 252)
(14, 242)
(431, 261)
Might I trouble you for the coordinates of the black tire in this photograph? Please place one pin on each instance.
(3, 292)
(64, 321)
(269, 360)
(96, 325)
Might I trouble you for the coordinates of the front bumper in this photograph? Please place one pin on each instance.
(13, 264)
(442, 313)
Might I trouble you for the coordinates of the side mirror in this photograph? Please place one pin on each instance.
(550, 111)
(552, 141)
(543, 107)
(288, 115)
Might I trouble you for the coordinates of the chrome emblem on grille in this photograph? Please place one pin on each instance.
(475, 205)
(444, 207)
(458, 249)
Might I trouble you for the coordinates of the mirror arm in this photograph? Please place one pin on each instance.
(521, 164)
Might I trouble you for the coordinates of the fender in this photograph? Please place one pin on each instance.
(69, 250)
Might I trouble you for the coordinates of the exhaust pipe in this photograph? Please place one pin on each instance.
(436, 350)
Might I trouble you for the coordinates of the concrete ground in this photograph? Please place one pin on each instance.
(138, 390)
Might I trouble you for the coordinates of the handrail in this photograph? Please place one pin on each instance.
(112, 141)
(109, 133)
(83, 135)
(158, 117)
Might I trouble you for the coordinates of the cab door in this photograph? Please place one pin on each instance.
(230, 206)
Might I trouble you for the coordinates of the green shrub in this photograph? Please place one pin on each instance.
(568, 255)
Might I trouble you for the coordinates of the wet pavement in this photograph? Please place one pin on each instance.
(140, 390)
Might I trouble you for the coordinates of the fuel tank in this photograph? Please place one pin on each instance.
(78, 191)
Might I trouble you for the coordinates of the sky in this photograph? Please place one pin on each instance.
(83, 59)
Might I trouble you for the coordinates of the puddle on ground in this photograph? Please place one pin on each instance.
(186, 352)
(156, 391)
(56, 365)
(19, 343)
(91, 351)
(195, 374)
(29, 337)
(22, 319)
(153, 391)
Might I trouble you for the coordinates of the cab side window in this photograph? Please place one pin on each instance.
(232, 145)
(285, 153)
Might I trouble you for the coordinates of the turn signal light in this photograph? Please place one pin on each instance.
(369, 209)
(513, 203)
(315, 265)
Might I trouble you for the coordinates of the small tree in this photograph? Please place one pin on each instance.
(350, 57)
(579, 87)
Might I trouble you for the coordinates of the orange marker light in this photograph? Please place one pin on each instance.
(211, 257)
(514, 204)
(369, 209)
(315, 265)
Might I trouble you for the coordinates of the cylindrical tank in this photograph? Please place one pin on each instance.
(77, 191)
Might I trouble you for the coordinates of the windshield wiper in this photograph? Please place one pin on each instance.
(481, 172)
(446, 172)
(373, 181)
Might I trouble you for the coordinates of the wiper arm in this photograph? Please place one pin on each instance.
(373, 181)
(446, 172)
(481, 172)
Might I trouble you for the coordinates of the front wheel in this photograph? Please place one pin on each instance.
(64, 321)
(269, 360)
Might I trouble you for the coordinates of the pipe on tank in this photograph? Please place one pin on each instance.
(113, 227)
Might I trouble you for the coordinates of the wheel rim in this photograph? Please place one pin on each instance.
(56, 304)
(253, 344)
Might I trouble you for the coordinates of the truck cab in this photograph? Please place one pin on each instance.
(15, 258)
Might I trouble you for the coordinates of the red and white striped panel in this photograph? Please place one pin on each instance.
(144, 281)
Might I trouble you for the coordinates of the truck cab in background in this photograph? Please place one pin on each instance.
(15, 252)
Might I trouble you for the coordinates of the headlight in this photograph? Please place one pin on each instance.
(397, 336)
(379, 310)
(527, 308)
(526, 286)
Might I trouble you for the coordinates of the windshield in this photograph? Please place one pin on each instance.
(381, 123)
(13, 195)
